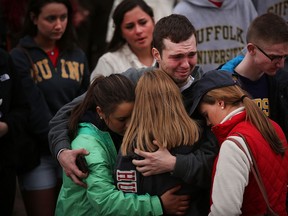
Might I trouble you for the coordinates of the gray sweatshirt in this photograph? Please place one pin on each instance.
(221, 31)
(279, 7)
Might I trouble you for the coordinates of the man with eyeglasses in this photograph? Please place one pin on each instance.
(261, 70)
(273, 58)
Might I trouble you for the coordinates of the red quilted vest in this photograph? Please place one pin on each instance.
(273, 168)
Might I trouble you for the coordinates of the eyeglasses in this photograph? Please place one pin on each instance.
(273, 58)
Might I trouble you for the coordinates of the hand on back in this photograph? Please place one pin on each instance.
(155, 163)
(175, 204)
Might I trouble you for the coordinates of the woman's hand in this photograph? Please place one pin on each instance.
(175, 204)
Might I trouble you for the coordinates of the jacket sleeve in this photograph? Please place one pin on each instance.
(197, 166)
(231, 64)
(134, 74)
(103, 194)
(231, 178)
(58, 133)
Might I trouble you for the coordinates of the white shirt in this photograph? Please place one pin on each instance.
(117, 62)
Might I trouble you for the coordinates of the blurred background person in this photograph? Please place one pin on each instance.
(91, 24)
(161, 9)
(132, 40)
(279, 7)
(12, 13)
(53, 71)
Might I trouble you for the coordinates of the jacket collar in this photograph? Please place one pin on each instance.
(222, 130)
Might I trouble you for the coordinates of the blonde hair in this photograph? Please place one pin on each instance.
(234, 95)
(159, 114)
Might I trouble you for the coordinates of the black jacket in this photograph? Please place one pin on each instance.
(129, 180)
(278, 98)
(14, 110)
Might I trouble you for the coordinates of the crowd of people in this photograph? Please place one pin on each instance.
(171, 116)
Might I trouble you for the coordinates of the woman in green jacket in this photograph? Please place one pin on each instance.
(98, 125)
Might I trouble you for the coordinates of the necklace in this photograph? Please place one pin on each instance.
(51, 52)
(53, 55)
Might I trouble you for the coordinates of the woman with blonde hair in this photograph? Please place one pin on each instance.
(243, 132)
(160, 115)
(159, 120)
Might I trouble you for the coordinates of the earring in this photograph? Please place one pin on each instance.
(101, 117)
(222, 107)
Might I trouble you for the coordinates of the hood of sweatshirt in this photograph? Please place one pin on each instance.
(226, 4)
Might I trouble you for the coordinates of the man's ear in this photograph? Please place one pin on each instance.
(156, 54)
(251, 48)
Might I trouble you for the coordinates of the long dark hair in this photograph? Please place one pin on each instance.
(117, 40)
(68, 39)
(105, 92)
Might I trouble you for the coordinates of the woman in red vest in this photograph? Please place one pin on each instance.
(231, 113)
